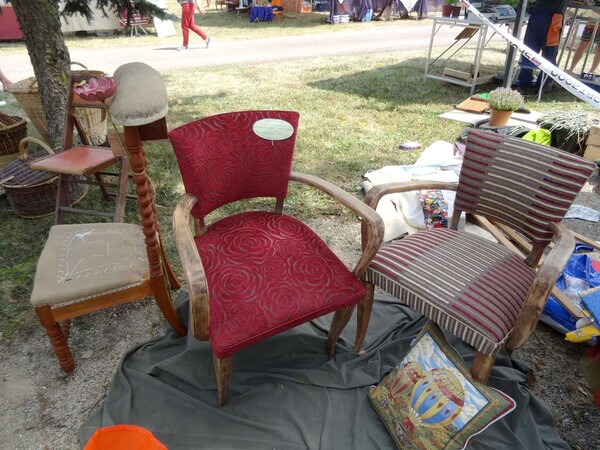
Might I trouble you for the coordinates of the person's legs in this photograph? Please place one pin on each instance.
(550, 53)
(583, 45)
(535, 39)
(196, 29)
(6, 83)
(187, 18)
(596, 60)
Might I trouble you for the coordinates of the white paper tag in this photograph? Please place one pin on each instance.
(273, 129)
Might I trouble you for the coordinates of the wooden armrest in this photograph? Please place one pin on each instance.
(507, 237)
(548, 272)
(377, 192)
(372, 234)
(192, 268)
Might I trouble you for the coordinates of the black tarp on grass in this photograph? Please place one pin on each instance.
(286, 394)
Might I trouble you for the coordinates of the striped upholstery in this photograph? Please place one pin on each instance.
(473, 287)
(466, 284)
(519, 183)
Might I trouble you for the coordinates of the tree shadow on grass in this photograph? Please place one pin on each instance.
(403, 85)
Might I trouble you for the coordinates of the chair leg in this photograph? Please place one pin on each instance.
(122, 183)
(340, 320)
(174, 282)
(162, 297)
(223, 373)
(363, 316)
(102, 185)
(57, 338)
(482, 367)
(62, 191)
(66, 328)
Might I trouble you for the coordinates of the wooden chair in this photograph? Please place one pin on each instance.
(484, 292)
(135, 22)
(76, 161)
(89, 267)
(255, 274)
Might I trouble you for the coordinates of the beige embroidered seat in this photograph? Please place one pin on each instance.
(90, 258)
(89, 267)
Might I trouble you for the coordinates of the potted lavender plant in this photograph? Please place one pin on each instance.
(502, 102)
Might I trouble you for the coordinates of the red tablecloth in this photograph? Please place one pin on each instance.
(9, 26)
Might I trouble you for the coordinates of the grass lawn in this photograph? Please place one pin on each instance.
(354, 113)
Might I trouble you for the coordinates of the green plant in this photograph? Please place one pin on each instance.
(513, 3)
(572, 124)
(505, 99)
(452, 2)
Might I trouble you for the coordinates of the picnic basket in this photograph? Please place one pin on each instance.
(32, 193)
(27, 94)
(12, 130)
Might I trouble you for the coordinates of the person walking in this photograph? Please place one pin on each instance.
(543, 33)
(187, 22)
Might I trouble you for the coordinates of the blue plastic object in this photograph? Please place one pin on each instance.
(577, 276)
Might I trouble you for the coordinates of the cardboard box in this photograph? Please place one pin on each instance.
(592, 153)
(594, 136)
(474, 104)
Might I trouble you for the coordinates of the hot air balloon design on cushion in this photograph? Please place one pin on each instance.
(436, 400)
(429, 400)
(408, 374)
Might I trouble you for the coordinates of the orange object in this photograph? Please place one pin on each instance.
(553, 36)
(123, 437)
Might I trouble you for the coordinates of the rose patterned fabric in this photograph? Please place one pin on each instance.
(222, 160)
(267, 273)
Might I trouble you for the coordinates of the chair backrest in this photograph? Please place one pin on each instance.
(140, 103)
(223, 158)
(518, 183)
(71, 120)
(134, 19)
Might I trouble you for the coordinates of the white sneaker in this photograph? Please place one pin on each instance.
(182, 48)
(207, 41)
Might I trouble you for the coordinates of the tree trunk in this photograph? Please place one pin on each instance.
(40, 22)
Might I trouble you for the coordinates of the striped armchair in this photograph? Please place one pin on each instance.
(488, 294)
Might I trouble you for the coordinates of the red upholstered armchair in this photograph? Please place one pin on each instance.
(255, 274)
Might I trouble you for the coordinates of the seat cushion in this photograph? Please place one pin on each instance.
(473, 287)
(132, 106)
(87, 260)
(267, 273)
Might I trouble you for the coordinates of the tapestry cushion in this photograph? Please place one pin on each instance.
(266, 273)
(85, 260)
(430, 401)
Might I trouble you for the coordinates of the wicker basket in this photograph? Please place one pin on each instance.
(12, 130)
(27, 94)
(32, 193)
